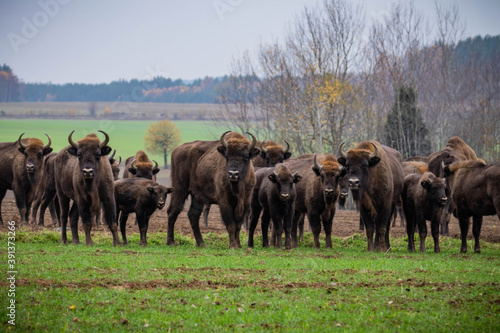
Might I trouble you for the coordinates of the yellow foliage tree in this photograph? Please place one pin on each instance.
(161, 138)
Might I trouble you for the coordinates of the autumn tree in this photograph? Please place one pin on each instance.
(10, 88)
(161, 138)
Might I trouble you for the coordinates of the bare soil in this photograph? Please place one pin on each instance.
(345, 223)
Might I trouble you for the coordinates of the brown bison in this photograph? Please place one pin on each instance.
(475, 189)
(142, 197)
(274, 193)
(20, 168)
(213, 172)
(317, 194)
(376, 181)
(140, 166)
(456, 150)
(424, 197)
(46, 193)
(84, 175)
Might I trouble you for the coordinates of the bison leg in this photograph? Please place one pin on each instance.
(174, 209)
(327, 218)
(64, 205)
(48, 201)
(422, 232)
(410, 231)
(435, 231)
(206, 210)
(194, 214)
(36, 205)
(256, 210)
(477, 222)
(21, 203)
(297, 216)
(2, 195)
(73, 222)
(107, 199)
(123, 224)
(367, 222)
(287, 226)
(361, 224)
(266, 217)
(141, 221)
(463, 221)
(315, 224)
(301, 227)
(277, 230)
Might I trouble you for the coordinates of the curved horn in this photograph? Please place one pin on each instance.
(156, 164)
(106, 140)
(254, 141)
(48, 144)
(287, 147)
(374, 154)
(132, 165)
(341, 153)
(316, 165)
(70, 140)
(222, 140)
(262, 148)
(112, 156)
(22, 145)
(119, 160)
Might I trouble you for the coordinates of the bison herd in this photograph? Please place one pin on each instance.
(247, 178)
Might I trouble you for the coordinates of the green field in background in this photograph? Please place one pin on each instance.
(126, 136)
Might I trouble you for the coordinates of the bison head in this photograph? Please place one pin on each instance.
(159, 194)
(34, 151)
(143, 169)
(284, 181)
(115, 165)
(344, 190)
(435, 189)
(273, 154)
(330, 173)
(238, 152)
(89, 151)
(358, 163)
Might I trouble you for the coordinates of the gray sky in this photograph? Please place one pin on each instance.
(92, 41)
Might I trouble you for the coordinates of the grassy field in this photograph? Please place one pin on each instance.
(127, 136)
(105, 288)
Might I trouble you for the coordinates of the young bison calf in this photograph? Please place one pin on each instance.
(141, 196)
(424, 197)
(276, 196)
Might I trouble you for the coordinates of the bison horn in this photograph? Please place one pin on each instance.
(287, 147)
(106, 140)
(156, 164)
(119, 160)
(132, 165)
(341, 153)
(316, 165)
(112, 156)
(264, 150)
(22, 145)
(48, 144)
(223, 140)
(254, 141)
(70, 140)
(374, 154)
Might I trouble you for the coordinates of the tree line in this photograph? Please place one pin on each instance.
(398, 79)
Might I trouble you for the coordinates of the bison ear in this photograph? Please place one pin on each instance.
(254, 152)
(374, 161)
(47, 151)
(272, 177)
(155, 171)
(72, 151)
(170, 189)
(343, 172)
(296, 177)
(222, 150)
(22, 150)
(425, 183)
(132, 171)
(105, 150)
(342, 160)
(287, 155)
(150, 189)
(262, 154)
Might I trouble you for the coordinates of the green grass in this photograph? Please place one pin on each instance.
(127, 136)
(184, 288)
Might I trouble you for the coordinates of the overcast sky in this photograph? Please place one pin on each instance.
(92, 41)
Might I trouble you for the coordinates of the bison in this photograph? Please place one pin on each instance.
(84, 175)
(274, 193)
(20, 168)
(424, 197)
(213, 172)
(317, 194)
(456, 150)
(376, 181)
(142, 197)
(140, 166)
(115, 165)
(475, 189)
(46, 193)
